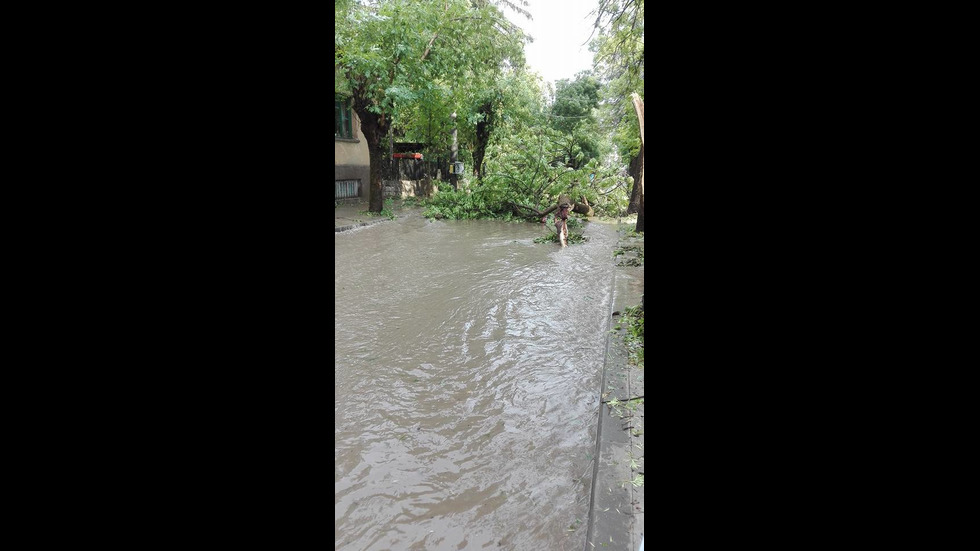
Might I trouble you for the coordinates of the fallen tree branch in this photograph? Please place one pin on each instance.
(534, 214)
(626, 400)
(550, 210)
(583, 208)
(535, 211)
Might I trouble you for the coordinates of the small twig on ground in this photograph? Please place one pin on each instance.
(623, 400)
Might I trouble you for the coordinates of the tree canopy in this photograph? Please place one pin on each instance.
(398, 57)
(406, 65)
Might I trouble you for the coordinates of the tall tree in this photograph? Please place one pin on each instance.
(573, 116)
(574, 101)
(389, 53)
(481, 97)
(487, 112)
(619, 56)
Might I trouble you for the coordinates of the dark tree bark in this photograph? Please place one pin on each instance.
(639, 213)
(483, 129)
(638, 105)
(636, 169)
(639, 217)
(638, 193)
(374, 127)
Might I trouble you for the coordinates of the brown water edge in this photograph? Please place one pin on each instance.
(467, 369)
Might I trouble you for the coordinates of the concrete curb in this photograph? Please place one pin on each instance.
(353, 226)
(350, 216)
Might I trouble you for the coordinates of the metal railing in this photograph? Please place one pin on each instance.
(413, 169)
(345, 189)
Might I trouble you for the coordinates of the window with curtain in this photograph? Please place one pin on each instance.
(343, 125)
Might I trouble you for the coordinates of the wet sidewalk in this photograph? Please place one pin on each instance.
(350, 215)
(616, 515)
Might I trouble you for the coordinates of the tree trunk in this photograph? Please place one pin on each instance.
(639, 214)
(584, 207)
(483, 129)
(639, 217)
(374, 128)
(638, 105)
(636, 168)
(639, 185)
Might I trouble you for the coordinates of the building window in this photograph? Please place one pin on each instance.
(343, 125)
(345, 189)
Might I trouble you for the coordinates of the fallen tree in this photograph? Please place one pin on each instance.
(532, 214)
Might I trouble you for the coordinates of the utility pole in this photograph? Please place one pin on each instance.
(453, 177)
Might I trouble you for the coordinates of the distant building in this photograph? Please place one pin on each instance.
(352, 163)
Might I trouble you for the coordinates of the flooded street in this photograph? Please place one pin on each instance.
(468, 362)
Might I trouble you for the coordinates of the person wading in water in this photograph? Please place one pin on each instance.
(561, 219)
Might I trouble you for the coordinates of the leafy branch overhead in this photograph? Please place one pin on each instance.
(388, 54)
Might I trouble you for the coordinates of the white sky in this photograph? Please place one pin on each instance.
(559, 28)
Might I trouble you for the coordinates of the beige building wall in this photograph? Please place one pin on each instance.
(351, 160)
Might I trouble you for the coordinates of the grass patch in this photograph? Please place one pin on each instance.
(628, 248)
(386, 210)
(633, 320)
(633, 261)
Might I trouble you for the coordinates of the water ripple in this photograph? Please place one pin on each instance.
(467, 362)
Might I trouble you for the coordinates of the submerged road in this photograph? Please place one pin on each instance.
(468, 369)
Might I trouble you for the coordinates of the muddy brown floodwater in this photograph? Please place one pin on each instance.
(468, 363)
